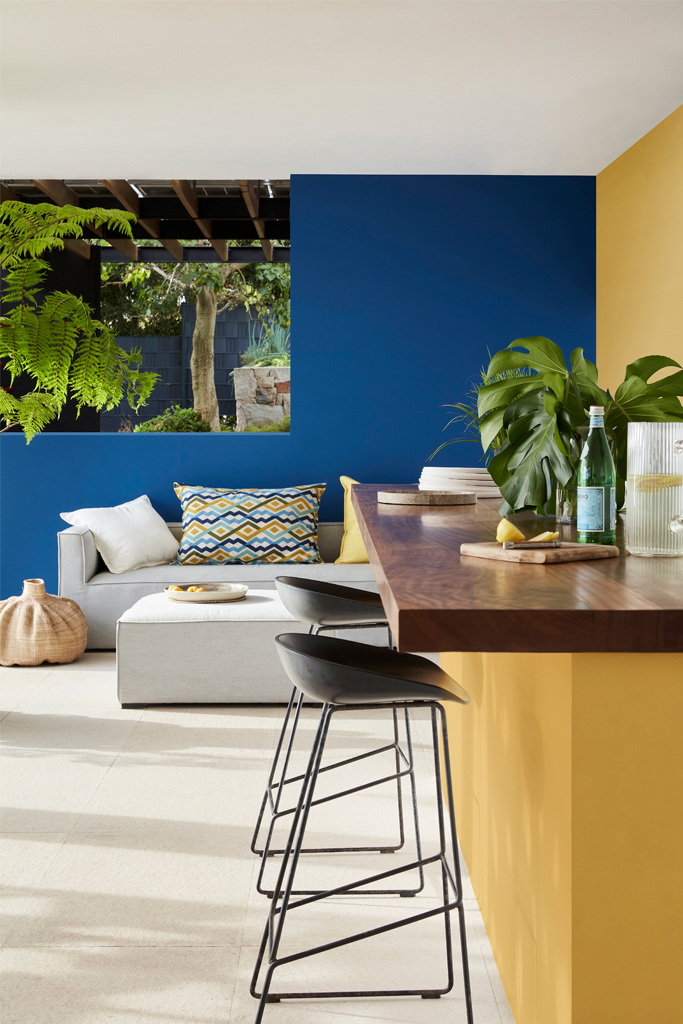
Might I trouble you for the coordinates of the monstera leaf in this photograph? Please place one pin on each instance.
(534, 453)
(636, 400)
(548, 423)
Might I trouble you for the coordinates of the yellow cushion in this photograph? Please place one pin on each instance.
(352, 546)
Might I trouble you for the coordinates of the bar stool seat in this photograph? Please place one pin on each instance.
(325, 605)
(348, 677)
(322, 672)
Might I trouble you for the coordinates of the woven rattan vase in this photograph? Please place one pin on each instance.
(38, 627)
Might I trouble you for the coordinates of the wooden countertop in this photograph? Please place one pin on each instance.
(438, 600)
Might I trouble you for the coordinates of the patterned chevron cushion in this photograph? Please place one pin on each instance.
(249, 525)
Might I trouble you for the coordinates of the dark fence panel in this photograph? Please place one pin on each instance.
(170, 358)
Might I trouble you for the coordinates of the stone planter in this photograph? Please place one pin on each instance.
(262, 395)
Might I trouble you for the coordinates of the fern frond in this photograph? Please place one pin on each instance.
(34, 411)
(17, 339)
(9, 410)
(57, 342)
(23, 281)
(139, 387)
(85, 383)
(29, 230)
(112, 370)
(62, 320)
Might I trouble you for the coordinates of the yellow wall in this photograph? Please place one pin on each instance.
(568, 775)
(640, 252)
(511, 754)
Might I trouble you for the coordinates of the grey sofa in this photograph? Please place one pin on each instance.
(104, 596)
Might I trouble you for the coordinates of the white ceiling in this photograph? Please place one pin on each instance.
(268, 88)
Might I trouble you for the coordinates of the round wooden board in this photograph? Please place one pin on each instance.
(427, 497)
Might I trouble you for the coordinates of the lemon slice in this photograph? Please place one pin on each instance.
(651, 483)
(545, 537)
(506, 531)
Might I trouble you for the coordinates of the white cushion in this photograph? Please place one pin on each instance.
(257, 606)
(129, 536)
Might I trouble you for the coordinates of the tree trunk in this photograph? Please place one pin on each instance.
(201, 364)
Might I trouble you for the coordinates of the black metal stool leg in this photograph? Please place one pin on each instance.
(267, 796)
(456, 863)
(273, 932)
(409, 770)
(413, 793)
(283, 903)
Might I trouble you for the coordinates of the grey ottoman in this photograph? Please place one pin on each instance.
(174, 653)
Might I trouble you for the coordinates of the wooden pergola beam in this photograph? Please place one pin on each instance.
(251, 201)
(130, 201)
(78, 246)
(188, 197)
(60, 193)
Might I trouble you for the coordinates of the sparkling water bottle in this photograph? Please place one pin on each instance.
(596, 494)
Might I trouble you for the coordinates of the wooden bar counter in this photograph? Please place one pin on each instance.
(568, 762)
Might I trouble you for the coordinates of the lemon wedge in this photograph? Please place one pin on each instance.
(652, 483)
(506, 531)
(545, 537)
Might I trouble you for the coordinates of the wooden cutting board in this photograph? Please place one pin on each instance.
(541, 556)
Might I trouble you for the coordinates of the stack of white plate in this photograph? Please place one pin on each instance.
(441, 478)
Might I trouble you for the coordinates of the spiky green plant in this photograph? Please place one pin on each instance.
(469, 415)
(268, 344)
(55, 340)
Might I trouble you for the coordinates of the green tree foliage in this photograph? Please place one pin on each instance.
(145, 299)
(546, 416)
(136, 302)
(55, 340)
(174, 420)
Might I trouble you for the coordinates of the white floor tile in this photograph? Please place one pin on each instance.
(16, 683)
(24, 857)
(54, 760)
(131, 888)
(185, 890)
(124, 985)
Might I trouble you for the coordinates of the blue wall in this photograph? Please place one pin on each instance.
(399, 287)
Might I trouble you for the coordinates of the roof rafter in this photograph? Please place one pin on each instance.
(188, 197)
(130, 201)
(251, 201)
(60, 193)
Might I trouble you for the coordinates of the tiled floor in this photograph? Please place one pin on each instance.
(130, 888)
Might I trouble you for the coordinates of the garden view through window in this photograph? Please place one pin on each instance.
(185, 289)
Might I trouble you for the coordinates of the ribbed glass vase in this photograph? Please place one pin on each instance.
(654, 508)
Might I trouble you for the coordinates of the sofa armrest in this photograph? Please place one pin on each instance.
(78, 559)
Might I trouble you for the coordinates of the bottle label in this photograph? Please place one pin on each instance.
(597, 421)
(592, 504)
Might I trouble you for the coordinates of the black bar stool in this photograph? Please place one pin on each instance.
(323, 606)
(347, 677)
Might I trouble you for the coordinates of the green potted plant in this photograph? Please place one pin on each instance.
(545, 417)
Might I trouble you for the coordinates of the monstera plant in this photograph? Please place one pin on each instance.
(544, 417)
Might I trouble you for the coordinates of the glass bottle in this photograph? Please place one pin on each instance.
(596, 491)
